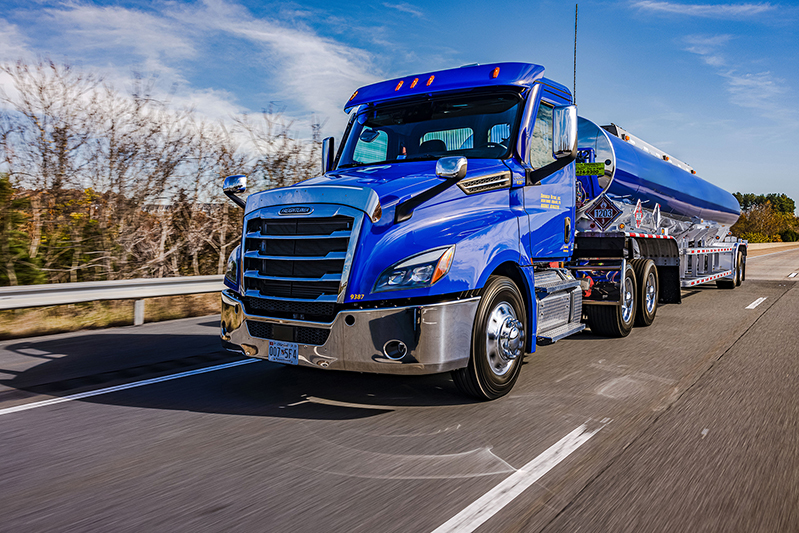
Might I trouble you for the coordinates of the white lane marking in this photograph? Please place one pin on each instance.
(792, 274)
(107, 390)
(756, 303)
(492, 501)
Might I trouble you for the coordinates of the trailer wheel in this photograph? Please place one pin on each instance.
(498, 338)
(649, 289)
(741, 266)
(616, 320)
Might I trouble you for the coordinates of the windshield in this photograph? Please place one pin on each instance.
(475, 126)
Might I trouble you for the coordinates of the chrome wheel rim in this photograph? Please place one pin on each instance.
(504, 338)
(651, 293)
(627, 299)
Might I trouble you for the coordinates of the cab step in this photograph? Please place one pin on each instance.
(556, 334)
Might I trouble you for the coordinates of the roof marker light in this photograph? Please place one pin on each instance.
(414, 82)
(353, 96)
(399, 85)
(665, 157)
(430, 80)
(495, 73)
(693, 171)
(625, 137)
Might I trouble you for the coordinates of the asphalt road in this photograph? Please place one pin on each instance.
(688, 425)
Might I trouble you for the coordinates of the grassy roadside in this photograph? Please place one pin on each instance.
(20, 323)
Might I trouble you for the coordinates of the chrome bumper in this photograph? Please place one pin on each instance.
(438, 337)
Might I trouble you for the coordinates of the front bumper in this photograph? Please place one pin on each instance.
(437, 336)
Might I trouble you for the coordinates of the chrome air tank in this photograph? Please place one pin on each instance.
(638, 175)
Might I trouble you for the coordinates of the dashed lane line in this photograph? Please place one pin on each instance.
(495, 499)
(107, 390)
(756, 303)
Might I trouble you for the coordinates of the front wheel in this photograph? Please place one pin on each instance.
(498, 337)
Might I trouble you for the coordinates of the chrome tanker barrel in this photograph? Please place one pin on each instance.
(631, 172)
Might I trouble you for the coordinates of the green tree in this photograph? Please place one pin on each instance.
(16, 268)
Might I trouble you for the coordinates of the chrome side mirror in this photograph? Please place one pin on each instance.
(328, 145)
(234, 185)
(564, 132)
(453, 167)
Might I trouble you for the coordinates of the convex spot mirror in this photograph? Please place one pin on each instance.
(564, 132)
(451, 167)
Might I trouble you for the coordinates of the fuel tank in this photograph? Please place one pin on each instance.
(638, 171)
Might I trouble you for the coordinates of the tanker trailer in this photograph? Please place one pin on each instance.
(647, 226)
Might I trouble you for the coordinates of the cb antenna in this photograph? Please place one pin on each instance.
(574, 88)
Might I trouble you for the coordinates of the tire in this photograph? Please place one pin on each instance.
(740, 269)
(646, 273)
(616, 320)
(498, 339)
(725, 283)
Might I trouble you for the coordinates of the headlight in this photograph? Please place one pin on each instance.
(420, 270)
(232, 268)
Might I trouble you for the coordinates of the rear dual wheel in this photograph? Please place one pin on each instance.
(498, 338)
(616, 320)
(638, 305)
(646, 273)
(739, 275)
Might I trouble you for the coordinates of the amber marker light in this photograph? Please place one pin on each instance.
(665, 158)
(353, 96)
(430, 80)
(399, 85)
(442, 267)
(693, 171)
(495, 73)
(414, 82)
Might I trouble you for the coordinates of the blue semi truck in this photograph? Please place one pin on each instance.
(467, 216)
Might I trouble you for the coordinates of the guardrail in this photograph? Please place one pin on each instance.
(22, 297)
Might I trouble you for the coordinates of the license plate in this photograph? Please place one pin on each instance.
(282, 352)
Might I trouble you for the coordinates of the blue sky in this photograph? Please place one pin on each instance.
(712, 83)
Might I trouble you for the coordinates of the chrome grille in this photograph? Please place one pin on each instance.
(297, 258)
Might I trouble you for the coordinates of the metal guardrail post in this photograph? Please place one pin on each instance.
(138, 312)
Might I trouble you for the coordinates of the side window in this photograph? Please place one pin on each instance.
(372, 146)
(459, 139)
(540, 153)
(499, 134)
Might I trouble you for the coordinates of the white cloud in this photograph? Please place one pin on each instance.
(317, 72)
(154, 39)
(13, 44)
(705, 10)
(406, 8)
(757, 91)
(313, 74)
(708, 48)
(761, 91)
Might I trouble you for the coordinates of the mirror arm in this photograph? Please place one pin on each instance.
(236, 200)
(534, 176)
(404, 210)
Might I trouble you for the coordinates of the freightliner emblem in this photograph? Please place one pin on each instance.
(296, 211)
